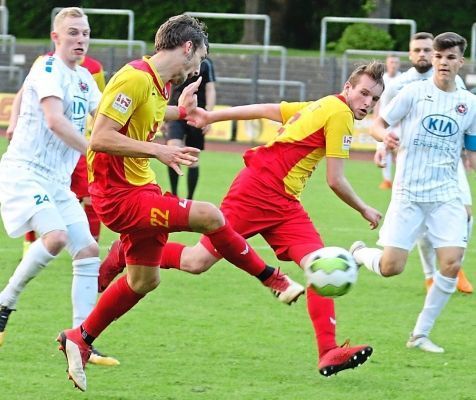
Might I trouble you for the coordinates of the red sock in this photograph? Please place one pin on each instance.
(171, 254)
(115, 301)
(30, 236)
(94, 222)
(234, 248)
(321, 311)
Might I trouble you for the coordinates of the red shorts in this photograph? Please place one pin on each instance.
(253, 208)
(144, 217)
(79, 179)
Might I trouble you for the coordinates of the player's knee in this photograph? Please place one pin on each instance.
(89, 251)
(206, 217)
(391, 267)
(450, 267)
(196, 266)
(144, 285)
(55, 241)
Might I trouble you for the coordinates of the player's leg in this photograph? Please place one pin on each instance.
(397, 236)
(175, 134)
(446, 225)
(85, 253)
(464, 285)
(40, 215)
(428, 259)
(29, 238)
(194, 138)
(112, 265)
(387, 172)
(39, 254)
(295, 239)
(93, 219)
(138, 210)
(207, 219)
(141, 247)
(79, 186)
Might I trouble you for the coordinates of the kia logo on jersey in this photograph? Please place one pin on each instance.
(440, 125)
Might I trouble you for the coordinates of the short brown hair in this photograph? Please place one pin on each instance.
(374, 70)
(448, 40)
(422, 36)
(180, 29)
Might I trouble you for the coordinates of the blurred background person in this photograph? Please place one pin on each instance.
(179, 133)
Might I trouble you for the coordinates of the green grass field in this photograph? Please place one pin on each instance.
(222, 336)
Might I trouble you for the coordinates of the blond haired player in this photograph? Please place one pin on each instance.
(35, 171)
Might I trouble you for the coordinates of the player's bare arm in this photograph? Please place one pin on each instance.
(187, 100)
(342, 188)
(199, 117)
(471, 158)
(107, 139)
(210, 96)
(380, 156)
(14, 113)
(378, 130)
(63, 128)
(174, 156)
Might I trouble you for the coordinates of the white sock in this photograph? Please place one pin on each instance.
(33, 261)
(470, 232)
(436, 299)
(84, 289)
(427, 256)
(370, 257)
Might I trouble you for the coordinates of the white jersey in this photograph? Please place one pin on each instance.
(392, 89)
(387, 80)
(399, 82)
(433, 125)
(34, 145)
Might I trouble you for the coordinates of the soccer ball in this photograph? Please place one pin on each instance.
(331, 271)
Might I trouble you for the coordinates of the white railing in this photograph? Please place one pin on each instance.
(253, 17)
(130, 43)
(107, 11)
(283, 57)
(356, 52)
(473, 46)
(12, 71)
(4, 23)
(268, 82)
(375, 21)
(10, 41)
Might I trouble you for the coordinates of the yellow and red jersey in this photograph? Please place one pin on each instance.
(96, 70)
(136, 98)
(310, 131)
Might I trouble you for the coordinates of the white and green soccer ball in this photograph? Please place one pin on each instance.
(331, 271)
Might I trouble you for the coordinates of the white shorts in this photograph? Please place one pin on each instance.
(464, 185)
(445, 224)
(24, 193)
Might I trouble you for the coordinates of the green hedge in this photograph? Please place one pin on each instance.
(32, 18)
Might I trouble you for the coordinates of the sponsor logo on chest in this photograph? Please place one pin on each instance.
(440, 125)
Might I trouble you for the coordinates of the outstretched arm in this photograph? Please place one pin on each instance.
(199, 117)
(187, 102)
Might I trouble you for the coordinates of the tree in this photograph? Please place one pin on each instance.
(250, 28)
